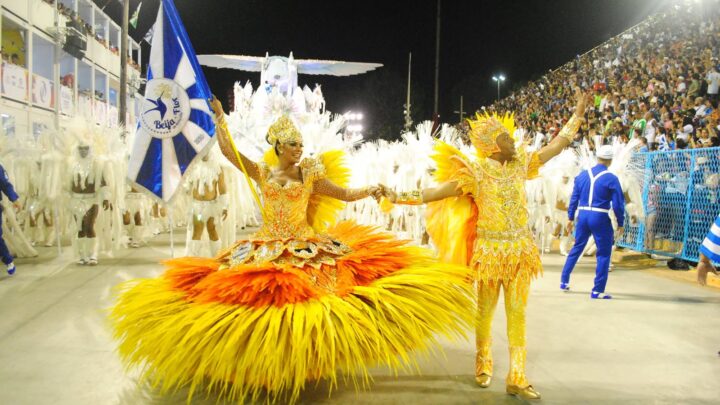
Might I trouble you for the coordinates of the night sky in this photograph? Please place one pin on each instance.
(520, 39)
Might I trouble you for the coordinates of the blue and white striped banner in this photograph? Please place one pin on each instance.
(711, 245)
(175, 123)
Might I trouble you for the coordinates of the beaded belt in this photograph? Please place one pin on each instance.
(503, 235)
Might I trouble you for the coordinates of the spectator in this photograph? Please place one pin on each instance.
(713, 81)
(694, 88)
(638, 128)
(700, 109)
(684, 135)
(681, 87)
(650, 130)
(703, 138)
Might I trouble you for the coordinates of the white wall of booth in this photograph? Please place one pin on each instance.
(34, 65)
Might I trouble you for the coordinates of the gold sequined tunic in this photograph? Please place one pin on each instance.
(504, 247)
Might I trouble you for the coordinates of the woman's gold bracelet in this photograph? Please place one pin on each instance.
(410, 198)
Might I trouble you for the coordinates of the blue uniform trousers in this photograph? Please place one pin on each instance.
(4, 252)
(598, 225)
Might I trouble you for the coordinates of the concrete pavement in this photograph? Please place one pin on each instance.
(656, 343)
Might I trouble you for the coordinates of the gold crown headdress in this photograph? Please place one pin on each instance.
(283, 130)
(485, 129)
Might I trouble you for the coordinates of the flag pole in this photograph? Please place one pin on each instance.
(437, 61)
(169, 212)
(123, 66)
(56, 79)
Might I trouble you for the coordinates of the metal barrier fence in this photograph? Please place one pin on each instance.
(681, 199)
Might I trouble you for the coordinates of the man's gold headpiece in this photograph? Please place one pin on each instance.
(485, 129)
(283, 131)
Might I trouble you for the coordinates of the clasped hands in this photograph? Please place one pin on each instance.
(381, 190)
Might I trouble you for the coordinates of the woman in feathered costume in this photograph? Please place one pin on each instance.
(297, 301)
(482, 222)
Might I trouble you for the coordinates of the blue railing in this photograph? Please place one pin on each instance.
(680, 199)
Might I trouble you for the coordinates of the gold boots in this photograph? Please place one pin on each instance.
(517, 383)
(483, 364)
(524, 393)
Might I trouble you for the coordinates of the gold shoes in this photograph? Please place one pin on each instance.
(483, 380)
(524, 393)
(483, 364)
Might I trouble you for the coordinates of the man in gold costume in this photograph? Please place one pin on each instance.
(482, 222)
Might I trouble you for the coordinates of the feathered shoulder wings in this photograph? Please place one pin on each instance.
(451, 223)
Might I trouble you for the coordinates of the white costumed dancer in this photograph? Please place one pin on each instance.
(560, 213)
(89, 191)
(39, 209)
(16, 241)
(18, 163)
(557, 175)
(539, 212)
(135, 212)
(209, 205)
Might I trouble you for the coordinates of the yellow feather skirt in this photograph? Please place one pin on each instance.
(254, 331)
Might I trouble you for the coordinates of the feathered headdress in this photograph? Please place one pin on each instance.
(485, 129)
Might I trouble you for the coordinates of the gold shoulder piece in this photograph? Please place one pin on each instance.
(312, 168)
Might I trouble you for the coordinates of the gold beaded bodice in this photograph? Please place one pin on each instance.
(286, 206)
(286, 236)
(285, 210)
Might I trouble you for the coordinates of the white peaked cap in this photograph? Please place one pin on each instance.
(605, 152)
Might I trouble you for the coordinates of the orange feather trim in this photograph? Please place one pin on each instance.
(374, 255)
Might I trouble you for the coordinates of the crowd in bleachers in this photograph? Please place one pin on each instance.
(658, 81)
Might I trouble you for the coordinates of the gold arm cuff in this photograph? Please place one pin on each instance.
(571, 128)
(359, 193)
(410, 198)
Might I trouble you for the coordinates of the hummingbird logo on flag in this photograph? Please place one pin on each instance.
(159, 107)
(175, 125)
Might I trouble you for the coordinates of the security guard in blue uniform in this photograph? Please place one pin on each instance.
(594, 192)
(7, 188)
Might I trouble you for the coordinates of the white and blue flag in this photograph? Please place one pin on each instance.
(711, 245)
(175, 123)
